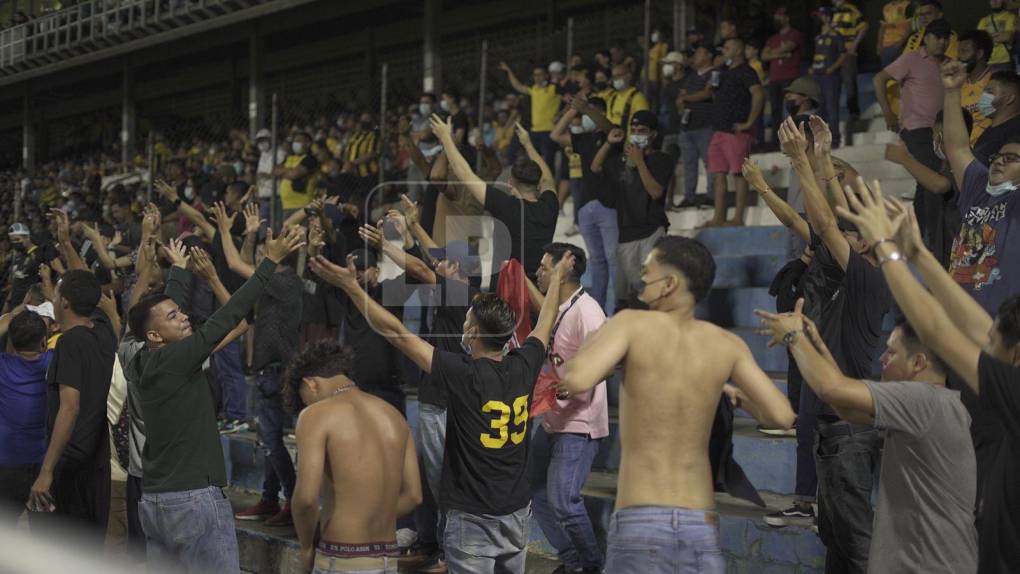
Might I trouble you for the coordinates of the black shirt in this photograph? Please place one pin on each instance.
(999, 508)
(852, 318)
(700, 112)
(24, 272)
(449, 301)
(487, 438)
(732, 99)
(637, 214)
(379, 365)
(232, 281)
(278, 320)
(83, 360)
(593, 186)
(993, 138)
(531, 225)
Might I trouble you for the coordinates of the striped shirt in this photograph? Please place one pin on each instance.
(847, 21)
(360, 145)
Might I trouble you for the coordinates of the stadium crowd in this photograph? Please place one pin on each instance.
(133, 320)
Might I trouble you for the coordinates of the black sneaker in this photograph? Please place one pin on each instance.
(794, 514)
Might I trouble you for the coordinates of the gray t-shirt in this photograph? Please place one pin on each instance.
(925, 516)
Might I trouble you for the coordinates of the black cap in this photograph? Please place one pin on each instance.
(644, 118)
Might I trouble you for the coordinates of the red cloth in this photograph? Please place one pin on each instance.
(512, 287)
(786, 69)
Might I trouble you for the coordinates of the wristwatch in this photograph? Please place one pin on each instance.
(789, 337)
(177, 202)
(893, 256)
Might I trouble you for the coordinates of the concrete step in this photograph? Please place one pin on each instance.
(746, 270)
(759, 240)
(735, 307)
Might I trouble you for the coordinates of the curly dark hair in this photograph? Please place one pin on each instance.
(320, 359)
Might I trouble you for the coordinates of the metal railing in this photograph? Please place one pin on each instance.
(97, 21)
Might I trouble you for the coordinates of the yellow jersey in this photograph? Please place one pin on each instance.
(360, 145)
(970, 93)
(295, 194)
(1001, 21)
(897, 24)
(656, 54)
(630, 101)
(545, 102)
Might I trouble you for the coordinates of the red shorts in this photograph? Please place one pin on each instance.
(727, 152)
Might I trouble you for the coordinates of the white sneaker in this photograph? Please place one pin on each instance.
(777, 432)
(406, 537)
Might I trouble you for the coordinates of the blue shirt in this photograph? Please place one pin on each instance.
(23, 408)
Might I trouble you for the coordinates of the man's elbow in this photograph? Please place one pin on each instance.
(781, 417)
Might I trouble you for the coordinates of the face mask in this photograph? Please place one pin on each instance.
(425, 109)
(937, 148)
(445, 105)
(189, 193)
(985, 104)
(640, 140)
(667, 70)
(1000, 189)
(464, 346)
(472, 140)
(588, 124)
(729, 62)
(655, 38)
(792, 108)
(299, 148)
(263, 146)
(601, 86)
(619, 84)
(577, 129)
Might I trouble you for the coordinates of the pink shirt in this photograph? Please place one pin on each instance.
(920, 87)
(587, 413)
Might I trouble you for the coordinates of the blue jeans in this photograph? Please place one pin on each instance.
(430, 441)
(190, 530)
(830, 87)
(487, 544)
(278, 466)
(664, 540)
(694, 146)
(598, 227)
(560, 464)
(235, 389)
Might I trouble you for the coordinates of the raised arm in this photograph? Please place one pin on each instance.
(551, 305)
(169, 192)
(582, 106)
(234, 261)
(820, 217)
(615, 136)
(955, 138)
(67, 249)
(461, 169)
(108, 261)
(414, 267)
(517, 85)
(933, 325)
(827, 179)
(411, 215)
(787, 215)
(547, 182)
(561, 131)
(384, 322)
(930, 179)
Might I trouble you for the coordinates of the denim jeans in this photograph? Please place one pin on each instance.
(694, 146)
(846, 476)
(430, 441)
(806, 485)
(849, 75)
(831, 86)
(190, 530)
(278, 467)
(664, 540)
(598, 227)
(231, 376)
(484, 544)
(560, 464)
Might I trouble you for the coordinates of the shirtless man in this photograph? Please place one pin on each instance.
(358, 450)
(675, 368)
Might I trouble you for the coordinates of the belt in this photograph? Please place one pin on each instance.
(842, 429)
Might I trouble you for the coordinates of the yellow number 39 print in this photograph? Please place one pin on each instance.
(501, 421)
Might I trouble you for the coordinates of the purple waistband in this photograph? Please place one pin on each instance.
(357, 550)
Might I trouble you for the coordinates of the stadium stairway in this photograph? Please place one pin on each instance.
(747, 259)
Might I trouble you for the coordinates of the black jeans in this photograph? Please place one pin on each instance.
(926, 204)
(81, 494)
(15, 484)
(777, 93)
(847, 459)
(136, 536)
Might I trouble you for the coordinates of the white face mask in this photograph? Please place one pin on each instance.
(1000, 189)
(667, 70)
(425, 109)
(464, 345)
(263, 146)
(445, 105)
(472, 140)
(938, 150)
(619, 84)
(588, 124)
(640, 140)
(655, 38)
(577, 129)
(299, 148)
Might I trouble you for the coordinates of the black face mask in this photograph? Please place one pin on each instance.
(792, 108)
(601, 86)
(971, 65)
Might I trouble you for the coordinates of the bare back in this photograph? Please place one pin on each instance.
(366, 441)
(674, 374)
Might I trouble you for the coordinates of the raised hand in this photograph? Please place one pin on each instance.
(371, 235)
(117, 239)
(869, 212)
(343, 277)
(316, 235)
(290, 240)
(398, 220)
(152, 220)
(908, 235)
(954, 74)
(224, 221)
(176, 253)
(63, 223)
(821, 134)
(522, 135)
(108, 304)
(252, 221)
(777, 325)
(752, 173)
(91, 233)
(442, 128)
(504, 67)
(202, 264)
(897, 152)
(410, 208)
(565, 265)
(615, 136)
(166, 190)
(792, 139)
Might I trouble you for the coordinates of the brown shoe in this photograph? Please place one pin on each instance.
(264, 509)
(281, 518)
(437, 566)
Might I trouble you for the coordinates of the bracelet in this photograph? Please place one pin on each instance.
(894, 256)
(177, 203)
(874, 248)
(789, 337)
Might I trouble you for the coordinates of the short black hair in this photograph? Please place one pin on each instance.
(557, 250)
(35, 295)
(495, 318)
(526, 170)
(1008, 319)
(934, 3)
(968, 120)
(452, 92)
(27, 331)
(1008, 79)
(982, 41)
(324, 358)
(238, 187)
(690, 257)
(430, 96)
(738, 40)
(914, 345)
(598, 103)
(939, 28)
(138, 316)
(81, 290)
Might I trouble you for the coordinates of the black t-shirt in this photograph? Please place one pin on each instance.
(459, 121)
(278, 320)
(993, 138)
(487, 438)
(449, 301)
(701, 112)
(24, 271)
(852, 318)
(999, 508)
(232, 281)
(593, 186)
(531, 225)
(378, 368)
(637, 214)
(732, 99)
(83, 360)
(91, 259)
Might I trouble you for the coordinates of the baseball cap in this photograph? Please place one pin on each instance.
(806, 87)
(644, 118)
(263, 134)
(44, 309)
(18, 229)
(674, 58)
(557, 67)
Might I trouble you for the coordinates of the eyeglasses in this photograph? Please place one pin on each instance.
(1005, 157)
